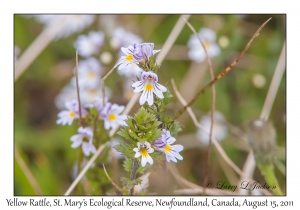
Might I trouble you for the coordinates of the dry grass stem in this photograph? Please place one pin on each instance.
(213, 103)
(32, 180)
(112, 182)
(174, 34)
(77, 90)
(39, 44)
(171, 39)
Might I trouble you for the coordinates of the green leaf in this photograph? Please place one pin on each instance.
(174, 129)
(127, 164)
(125, 149)
(130, 183)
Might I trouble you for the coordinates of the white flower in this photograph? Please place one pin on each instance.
(90, 44)
(75, 23)
(68, 116)
(149, 85)
(197, 52)
(84, 138)
(143, 149)
(111, 116)
(219, 128)
(89, 73)
(126, 60)
(145, 183)
(122, 38)
(163, 144)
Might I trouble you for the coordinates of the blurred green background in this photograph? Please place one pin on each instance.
(45, 146)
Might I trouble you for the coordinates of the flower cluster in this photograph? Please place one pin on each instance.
(149, 134)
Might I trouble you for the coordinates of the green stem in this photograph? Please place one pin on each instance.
(268, 172)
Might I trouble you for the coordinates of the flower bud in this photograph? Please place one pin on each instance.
(262, 139)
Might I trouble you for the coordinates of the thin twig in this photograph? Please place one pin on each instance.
(77, 90)
(203, 90)
(102, 83)
(279, 70)
(32, 180)
(173, 35)
(213, 103)
(114, 184)
(214, 141)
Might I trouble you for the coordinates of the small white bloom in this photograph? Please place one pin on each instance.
(143, 149)
(126, 60)
(68, 116)
(90, 44)
(85, 139)
(89, 73)
(164, 144)
(197, 52)
(145, 183)
(219, 128)
(111, 114)
(149, 85)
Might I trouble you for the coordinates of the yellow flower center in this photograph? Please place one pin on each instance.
(112, 117)
(148, 87)
(91, 74)
(72, 114)
(168, 148)
(144, 151)
(129, 58)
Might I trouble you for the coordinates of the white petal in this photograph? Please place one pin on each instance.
(161, 87)
(158, 92)
(143, 98)
(177, 155)
(138, 154)
(106, 124)
(86, 148)
(144, 161)
(171, 140)
(177, 148)
(150, 97)
(149, 159)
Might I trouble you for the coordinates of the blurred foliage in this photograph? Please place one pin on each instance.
(45, 146)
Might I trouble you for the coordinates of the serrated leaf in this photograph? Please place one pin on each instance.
(127, 164)
(125, 149)
(174, 129)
